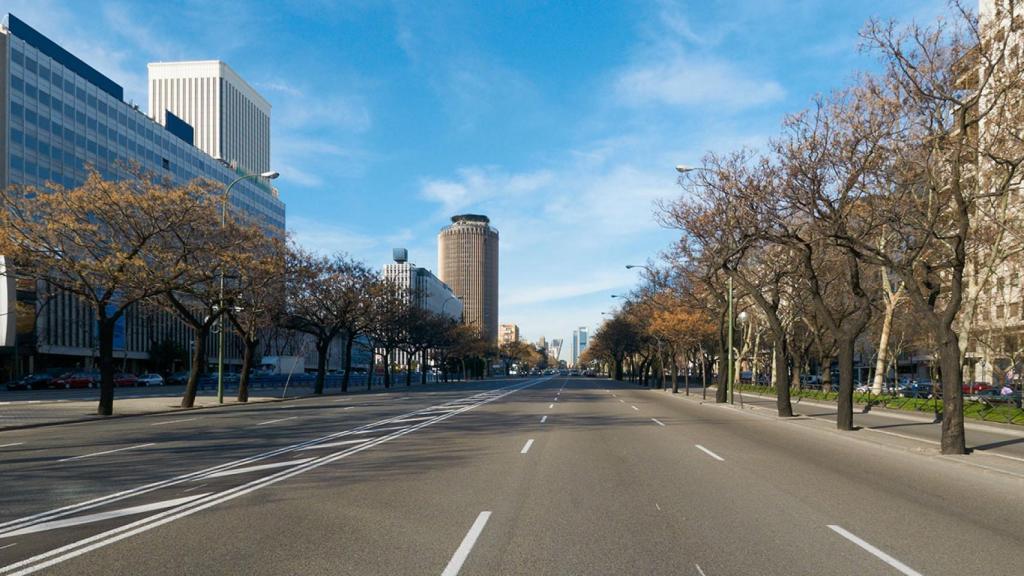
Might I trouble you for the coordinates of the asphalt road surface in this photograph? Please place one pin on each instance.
(530, 476)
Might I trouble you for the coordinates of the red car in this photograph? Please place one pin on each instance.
(77, 380)
(976, 387)
(125, 379)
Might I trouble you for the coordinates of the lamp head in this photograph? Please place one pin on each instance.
(272, 174)
(683, 168)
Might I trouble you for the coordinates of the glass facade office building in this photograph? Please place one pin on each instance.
(57, 115)
(60, 114)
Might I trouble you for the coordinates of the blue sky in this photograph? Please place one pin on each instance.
(562, 121)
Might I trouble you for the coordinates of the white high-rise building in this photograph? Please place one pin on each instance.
(231, 120)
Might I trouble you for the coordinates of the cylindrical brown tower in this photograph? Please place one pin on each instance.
(467, 261)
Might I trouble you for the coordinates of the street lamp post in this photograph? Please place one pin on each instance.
(269, 175)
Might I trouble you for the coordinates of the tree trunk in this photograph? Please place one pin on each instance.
(243, 378)
(953, 440)
(349, 341)
(675, 377)
(617, 369)
(883, 347)
(785, 408)
(844, 418)
(825, 367)
(423, 368)
(106, 350)
(722, 393)
(322, 346)
(797, 361)
(188, 398)
(372, 370)
(386, 362)
(408, 369)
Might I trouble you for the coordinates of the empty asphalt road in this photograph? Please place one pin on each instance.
(531, 476)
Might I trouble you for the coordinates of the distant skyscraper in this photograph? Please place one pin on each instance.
(231, 120)
(508, 333)
(579, 343)
(467, 260)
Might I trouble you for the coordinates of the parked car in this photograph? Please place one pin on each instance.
(916, 390)
(176, 379)
(150, 380)
(862, 387)
(32, 382)
(971, 388)
(122, 379)
(78, 380)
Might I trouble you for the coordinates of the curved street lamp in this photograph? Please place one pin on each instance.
(269, 175)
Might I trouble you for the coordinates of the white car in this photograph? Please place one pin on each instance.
(150, 380)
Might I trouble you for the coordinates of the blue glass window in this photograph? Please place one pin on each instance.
(17, 135)
(44, 73)
(18, 56)
(30, 90)
(17, 83)
(44, 173)
(69, 86)
(80, 116)
(91, 123)
(31, 143)
(103, 107)
(30, 168)
(17, 110)
(44, 149)
(30, 65)
(91, 101)
(91, 147)
(69, 158)
(30, 116)
(17, 162)
(80, 94)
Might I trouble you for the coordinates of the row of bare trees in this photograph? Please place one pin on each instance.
(899, 194)
(144, 242)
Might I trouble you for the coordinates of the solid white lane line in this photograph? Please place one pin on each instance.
(699, 571)
(710, 453)
(105, 452)
(348, 407)
(903, 568)
(543, 419)
(614, 395)
(11, 444)
(658, 422)
(657, 506)
(8, 545)
(89, 518)
(416, 419)
(526, 447)
(278, 420)
(552, 405)
(174, 421)
(621, 400)
(258, 467)
(634, 408)
(380, 429)
(455, 564)
(334, 444)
